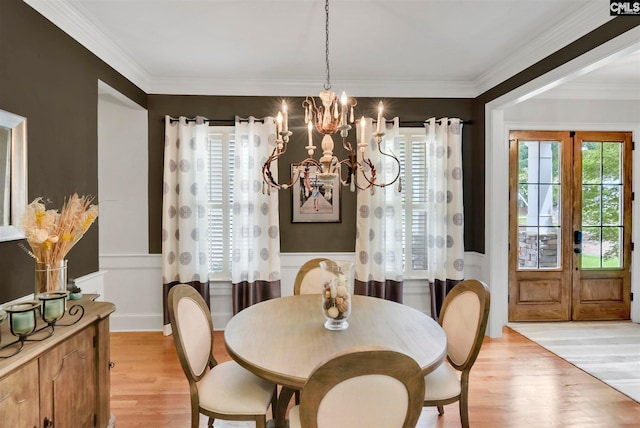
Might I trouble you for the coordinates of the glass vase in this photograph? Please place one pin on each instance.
(337, 282)
(51, 277)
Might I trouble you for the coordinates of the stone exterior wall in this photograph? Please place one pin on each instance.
(534, 256)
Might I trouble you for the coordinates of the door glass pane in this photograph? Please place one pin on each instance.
(549, 200)
(612, 247)
(591, 205)
(539, 204)
(612, 205)
(612, 163)
(527, 247)
(523, 160)
(549, 254)
(591, 248)
(528, 204)
(591, 162)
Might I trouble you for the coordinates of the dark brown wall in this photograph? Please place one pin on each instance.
(298, 237)
(50, 79)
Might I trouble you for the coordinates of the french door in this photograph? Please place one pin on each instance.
(569, 225)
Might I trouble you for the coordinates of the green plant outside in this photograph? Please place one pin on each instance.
(593, 262)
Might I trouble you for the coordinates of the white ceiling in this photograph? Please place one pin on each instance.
(401, 48)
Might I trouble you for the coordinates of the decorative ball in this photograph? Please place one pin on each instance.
(341, 290)
(342, 306)
(333, 312)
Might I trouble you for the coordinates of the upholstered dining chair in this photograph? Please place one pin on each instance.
(225, 390)
(308, 279)
(360, 388)
(463, 317)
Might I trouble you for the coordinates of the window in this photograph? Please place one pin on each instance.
(220, 196)
(413, 170)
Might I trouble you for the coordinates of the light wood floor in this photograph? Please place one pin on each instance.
(514, 383)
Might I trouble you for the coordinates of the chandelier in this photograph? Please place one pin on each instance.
(328, 116)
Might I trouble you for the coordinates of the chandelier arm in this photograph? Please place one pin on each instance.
(395, 158)
(267, 176)
(351, 167)
(372, 181)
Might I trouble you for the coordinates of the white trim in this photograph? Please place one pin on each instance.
(130, 261)
(497, 165)
(593, 91)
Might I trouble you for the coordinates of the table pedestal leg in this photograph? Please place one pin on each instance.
(280, 413)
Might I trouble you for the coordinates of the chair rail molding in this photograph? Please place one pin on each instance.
(133, 282)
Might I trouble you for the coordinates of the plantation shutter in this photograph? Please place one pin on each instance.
(219, 191)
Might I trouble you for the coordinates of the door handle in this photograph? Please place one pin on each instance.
(577, 237)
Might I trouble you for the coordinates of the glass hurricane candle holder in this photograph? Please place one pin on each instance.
(50, 277)
(22, 318)
(337, 283)
(53, 305)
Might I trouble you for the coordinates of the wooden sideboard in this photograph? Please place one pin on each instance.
(61, 381)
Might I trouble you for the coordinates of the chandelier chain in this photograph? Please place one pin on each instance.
(327, 84)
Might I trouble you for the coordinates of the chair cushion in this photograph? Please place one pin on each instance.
(460, 323)
(294, 417)
(312, 282)
(442, 383)
(229, 388)
(359, 402)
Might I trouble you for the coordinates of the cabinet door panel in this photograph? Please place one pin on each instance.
(19, 397)
(67, 382)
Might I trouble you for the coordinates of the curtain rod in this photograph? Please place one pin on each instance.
(409, 123)
(218, 121)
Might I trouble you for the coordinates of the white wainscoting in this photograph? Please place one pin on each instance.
(133, 282)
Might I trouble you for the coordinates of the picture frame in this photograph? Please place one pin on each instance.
(313, 206)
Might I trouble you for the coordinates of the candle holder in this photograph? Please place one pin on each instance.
(54, 308)
(22, 323)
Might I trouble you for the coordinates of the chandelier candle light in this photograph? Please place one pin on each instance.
(329, 117)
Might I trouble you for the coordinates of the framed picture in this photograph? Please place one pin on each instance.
(315, 205)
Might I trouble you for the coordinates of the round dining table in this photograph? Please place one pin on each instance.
(284, 339)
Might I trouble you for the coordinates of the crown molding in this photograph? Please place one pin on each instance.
(591, 16)
(299, 88)
(66, 17)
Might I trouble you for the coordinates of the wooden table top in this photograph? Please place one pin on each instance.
(284, 339)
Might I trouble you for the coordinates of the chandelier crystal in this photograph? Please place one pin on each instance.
(329, 116)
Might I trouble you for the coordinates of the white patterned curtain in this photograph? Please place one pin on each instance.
(256, 231)
(184, 208)
(379, 220)
(445, 220)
